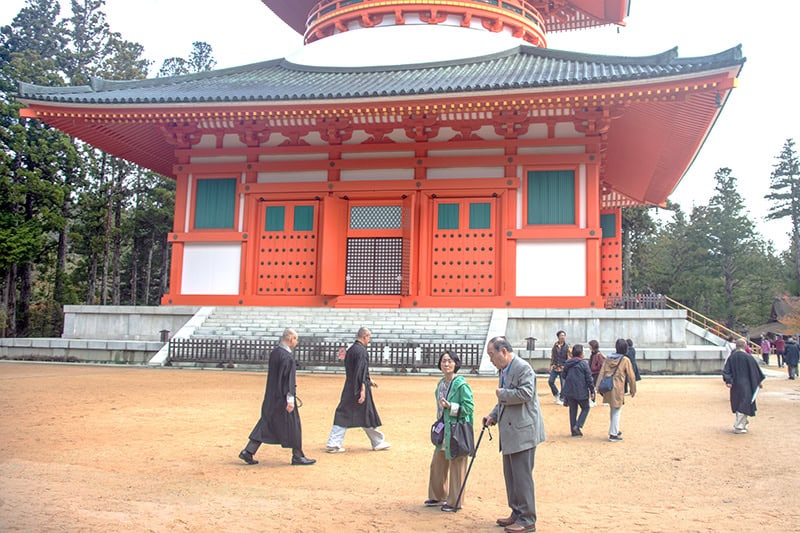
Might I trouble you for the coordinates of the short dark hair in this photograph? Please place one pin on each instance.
(594, 345)
(629, 342)
(559, 332)
(577, 350)
(456, 360)
(621, 346)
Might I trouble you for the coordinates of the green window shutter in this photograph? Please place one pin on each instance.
(275, 216)
(303, 217)
(215, 204)
(448, 216)
(551, 197)
(608, 224)
(480, 215)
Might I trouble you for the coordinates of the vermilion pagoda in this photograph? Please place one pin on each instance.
(412, 153)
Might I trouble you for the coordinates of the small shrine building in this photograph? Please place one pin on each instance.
(412, 153)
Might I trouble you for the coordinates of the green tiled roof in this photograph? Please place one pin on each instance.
(281, 81)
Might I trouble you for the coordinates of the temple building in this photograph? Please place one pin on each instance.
(410, 154)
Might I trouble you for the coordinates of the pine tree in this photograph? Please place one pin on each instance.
(731, 237)
(785, 197)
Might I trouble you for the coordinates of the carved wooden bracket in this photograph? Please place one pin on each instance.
(379, 134)
(254, 134)
(335, 130)
(368, 20)
(433, 17)
(295, 136)
(595, 121)
(510, 124)
(422, 127)
(183, 135)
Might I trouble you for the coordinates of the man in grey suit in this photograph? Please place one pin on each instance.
(519, 419)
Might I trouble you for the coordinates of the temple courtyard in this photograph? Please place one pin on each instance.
(118, 448)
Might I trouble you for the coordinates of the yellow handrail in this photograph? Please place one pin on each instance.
(711, 325)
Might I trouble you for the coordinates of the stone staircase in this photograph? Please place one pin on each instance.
(341, 324)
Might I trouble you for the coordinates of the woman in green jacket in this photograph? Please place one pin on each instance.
(453, 403)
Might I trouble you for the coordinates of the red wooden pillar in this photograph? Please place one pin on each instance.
(332, 265)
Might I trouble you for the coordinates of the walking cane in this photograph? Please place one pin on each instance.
(466, 476)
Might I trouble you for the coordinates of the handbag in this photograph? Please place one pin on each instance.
(437, 429)
(437, 432)
(607, 383)
(462, 439)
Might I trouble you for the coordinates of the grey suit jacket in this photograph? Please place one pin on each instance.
(518, 415)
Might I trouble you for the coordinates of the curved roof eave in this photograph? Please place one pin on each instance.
(523, 68)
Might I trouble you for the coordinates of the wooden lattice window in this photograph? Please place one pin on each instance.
(551, 197)
(215, 203)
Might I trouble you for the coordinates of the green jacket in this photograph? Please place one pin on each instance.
(462, 408)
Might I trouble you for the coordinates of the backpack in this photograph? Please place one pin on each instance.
(596, 362)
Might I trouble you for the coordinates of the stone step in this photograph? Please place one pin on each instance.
(341, 324)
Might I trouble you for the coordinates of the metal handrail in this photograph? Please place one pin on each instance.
(711, 325)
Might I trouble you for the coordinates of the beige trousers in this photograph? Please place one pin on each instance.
(441, 469)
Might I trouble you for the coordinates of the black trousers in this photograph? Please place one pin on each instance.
(254, 445)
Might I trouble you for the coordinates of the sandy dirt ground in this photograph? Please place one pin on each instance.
(98, 448)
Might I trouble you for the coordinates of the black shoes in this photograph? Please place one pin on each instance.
(576, 432)
(432, 503)
(303, 461)
(247, 457)
(447, 509)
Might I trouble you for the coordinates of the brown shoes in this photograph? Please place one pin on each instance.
(503, 522)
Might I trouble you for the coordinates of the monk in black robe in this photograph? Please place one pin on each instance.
(356, 407)
(280, 420)
(743, 376)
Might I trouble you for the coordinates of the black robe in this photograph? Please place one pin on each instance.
(276, 426)
(350, 413)
(743, 373)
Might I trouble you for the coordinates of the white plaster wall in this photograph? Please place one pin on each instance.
(201, 160)
(320, 156)
(533, 150)
(465, 172)
(211, 268)
(466, 153)
(377, 174)
(551, 268)
(294, 177)
(377, 155)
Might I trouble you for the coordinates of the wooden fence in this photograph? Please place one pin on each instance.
(407, 357)
(637, 301)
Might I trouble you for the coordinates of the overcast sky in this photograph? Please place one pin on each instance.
(758, 118)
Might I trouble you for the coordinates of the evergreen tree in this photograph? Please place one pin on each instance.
(201, 59)
(785, 198)
(638, 227)
(731, 238)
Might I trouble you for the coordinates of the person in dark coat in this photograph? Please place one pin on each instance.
(791, 356)
(744, 377)
(632, 356)
(356, 407)
(578, 388)
(558, 356)
(280, 420)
